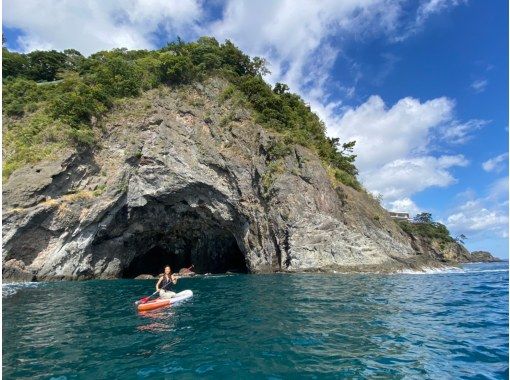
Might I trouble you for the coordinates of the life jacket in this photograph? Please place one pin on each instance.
(166, 284)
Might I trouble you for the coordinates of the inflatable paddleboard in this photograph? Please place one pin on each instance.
(162, 302)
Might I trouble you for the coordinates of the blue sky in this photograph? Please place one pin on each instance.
(422, 86)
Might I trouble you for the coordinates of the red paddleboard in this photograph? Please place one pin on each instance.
(162, 302)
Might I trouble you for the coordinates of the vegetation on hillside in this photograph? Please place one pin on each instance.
(53, 99)
(424, 225)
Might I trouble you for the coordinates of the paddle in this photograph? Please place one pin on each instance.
(146, 299)
(192, 265)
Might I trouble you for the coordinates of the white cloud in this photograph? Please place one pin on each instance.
(426, 9)
(479, 85)
(90, 26)
(385, 134)
(495, 164)
(431, 7)
(404, 205)
(292, 34)
(403, 177)
(393, 144)
(498, 190)
(481, 217)
(474, 217)
(459, 133)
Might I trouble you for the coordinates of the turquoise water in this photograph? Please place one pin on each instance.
(440, 325)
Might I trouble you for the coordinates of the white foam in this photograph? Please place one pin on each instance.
(487, 270)
(215, 275)
(447, 270)
(443, 270)
(9, 289)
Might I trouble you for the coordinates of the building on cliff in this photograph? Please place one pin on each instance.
(400, 216)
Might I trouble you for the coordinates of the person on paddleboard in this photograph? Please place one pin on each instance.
(165, 283)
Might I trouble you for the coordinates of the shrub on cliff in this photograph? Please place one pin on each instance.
(176, 69)
(425, 226)
(20, 94)
(77, 101)
(39, 65)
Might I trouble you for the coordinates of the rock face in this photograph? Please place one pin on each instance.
(145, 277)
(450, 253)
(15, 269)
(483, 257)
(182, 178)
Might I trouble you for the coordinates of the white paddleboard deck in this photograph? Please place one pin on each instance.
(185, 294)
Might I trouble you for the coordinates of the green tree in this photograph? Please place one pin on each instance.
(234, 58)
(205, 54)
(176, 69)
(149, 68)
(423, 217)
(119, 77)
(77, 102)
(461, 238)
(280, 88)
(44, 65)
(258, 66)
(13, 64)
(74, 59)
(20, 94)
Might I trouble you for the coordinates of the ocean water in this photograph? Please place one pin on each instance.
(437, 325)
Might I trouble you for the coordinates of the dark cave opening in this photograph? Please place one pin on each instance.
(154, 261)
(214, 252)
(195, 226)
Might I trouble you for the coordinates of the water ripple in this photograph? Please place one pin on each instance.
(453, 325)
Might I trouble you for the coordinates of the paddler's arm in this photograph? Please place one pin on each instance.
(175, 277)
(157, 284)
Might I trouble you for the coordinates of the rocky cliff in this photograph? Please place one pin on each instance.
(482, 257)
(448, 252)
(183, 177)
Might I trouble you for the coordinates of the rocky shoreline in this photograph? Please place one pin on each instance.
(483, 257)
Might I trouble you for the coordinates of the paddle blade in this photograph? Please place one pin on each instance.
(142, 300)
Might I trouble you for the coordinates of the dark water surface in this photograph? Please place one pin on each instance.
(438, 326)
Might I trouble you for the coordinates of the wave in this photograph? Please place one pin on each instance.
(9, 289)
(444, 270)
(216, 276)
(487, 270)
(450, 270)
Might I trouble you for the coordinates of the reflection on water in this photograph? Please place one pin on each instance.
(157, 327)
(392, 326)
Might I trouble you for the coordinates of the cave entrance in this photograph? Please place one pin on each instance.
(154, 261)
(211, 252)
(195, 226)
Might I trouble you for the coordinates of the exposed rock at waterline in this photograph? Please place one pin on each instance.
(449, 252)
(145, 277)
(483, 256)
(15, 270)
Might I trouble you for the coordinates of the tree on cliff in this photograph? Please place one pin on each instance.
(39, 66)
(423, 217)
(425, 226)
(461, 238)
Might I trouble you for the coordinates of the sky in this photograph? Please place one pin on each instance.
(421, 86)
